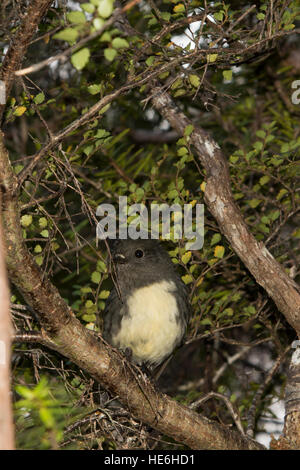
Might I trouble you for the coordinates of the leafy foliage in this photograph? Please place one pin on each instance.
(220, 69)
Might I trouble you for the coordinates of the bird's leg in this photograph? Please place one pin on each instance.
(128, 354)
(146, 370)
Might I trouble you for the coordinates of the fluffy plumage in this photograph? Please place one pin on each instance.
(151, 313)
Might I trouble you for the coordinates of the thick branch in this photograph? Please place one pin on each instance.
(106, 365)
(219, 199)
(16, 51)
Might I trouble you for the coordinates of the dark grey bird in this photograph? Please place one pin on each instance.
(147, 314)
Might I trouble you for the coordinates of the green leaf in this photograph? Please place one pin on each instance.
(77, 17)
(54, 246)
(194, 80)
(89, 317)
(172, 194)
(39, 98)
(139, 194)
(165, 15)
(258, 146)
(45, 233)
(43, 222)
(150, 60)
(68, 34)
(288, 27)
(26, 220)
(180, 92)
(105, 108)
(104, 294)
(180, 8)
(18, 168)
(80, 58)
(251, 309)
(178, 82)
(186, 257)
(106, 37)
(188, 130)
(227, 74)
(94, 89)
(88, 149)
(264, 180)
(261, 134)
(110, 54)
(206, 321)
(19, 110)
(120, 43)
(101, 133)
(101, 266)
(88, 7)
(233, 398)
(228, 311)
(219, 251)
(263, 228)
(187, 278)
(212, 57)
(163, 75)
(152, 21)
(46, 417)
(269, 138)
(219, 15)
(285, 147)
(86, 290)
(39, 260)
(215, 239)
(274, 215)
(105, 8)
(254, 203)
(98, 23)
(296, 233)
(182, 151)
(281, 193)
(265, 220)
(96, 277)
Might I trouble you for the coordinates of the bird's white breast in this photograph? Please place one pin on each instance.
(150, 329)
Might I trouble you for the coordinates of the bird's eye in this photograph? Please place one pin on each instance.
(139, 253)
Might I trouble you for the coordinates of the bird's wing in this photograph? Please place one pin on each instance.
(114, 310)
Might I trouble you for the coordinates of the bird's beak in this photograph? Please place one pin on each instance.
(119, 258)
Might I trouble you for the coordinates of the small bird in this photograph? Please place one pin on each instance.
(147, 311)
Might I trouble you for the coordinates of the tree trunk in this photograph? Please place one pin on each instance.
(6, 419)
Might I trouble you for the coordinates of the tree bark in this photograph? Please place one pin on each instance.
(6, 418)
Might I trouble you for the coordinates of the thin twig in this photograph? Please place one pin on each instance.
(227, 402)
